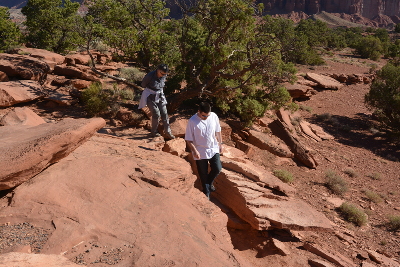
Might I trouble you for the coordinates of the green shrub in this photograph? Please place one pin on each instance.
(353, 214)
(132, 74)
(394, 222)
(10, 34)
(95, 99)
(373, 196)
(284, 175)
(306, 108)
(335, 183)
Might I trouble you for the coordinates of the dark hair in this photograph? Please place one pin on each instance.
(205, 107)
(163, 67)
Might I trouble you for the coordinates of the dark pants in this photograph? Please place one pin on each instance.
(158, 110)
(208, 178)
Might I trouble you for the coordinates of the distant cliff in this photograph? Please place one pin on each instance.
(365, 8)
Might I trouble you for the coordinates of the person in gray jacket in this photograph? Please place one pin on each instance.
(153, 97)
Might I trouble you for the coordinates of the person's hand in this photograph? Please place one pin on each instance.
(196, 154)
(221, 149)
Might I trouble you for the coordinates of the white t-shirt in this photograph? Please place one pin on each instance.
(202, 134)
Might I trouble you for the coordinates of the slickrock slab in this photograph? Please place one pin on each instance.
(263, 141)
(324, 81)
(15, 92)
(15, 259)
(305, 127)
(299, 90)
(319, 131)
(21, 116)
(382, 259)
(74, 72)
(263, 209)
(26, 150)
(333, 257)
(319, 263)
(257, 174)
(104, 198)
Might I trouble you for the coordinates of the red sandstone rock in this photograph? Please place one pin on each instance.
(26, 151)
(331, 256)
(18, 259)
(15, 92)
(42, 54)
(3, 77)
(24, 67)
(21, 116)
(175, 146)
(324, 81)
(270, 143)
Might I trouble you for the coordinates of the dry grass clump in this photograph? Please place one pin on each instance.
(284, 175)
(374, 176)
(132, 74)
(350, 172)
(335, 183)
(373, 196)
(394, 222)
(353, 214)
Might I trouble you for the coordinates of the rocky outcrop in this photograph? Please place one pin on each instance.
(113, 202)
(324, 82)
(26, 151)
(24, 67)
(15, 92)
(16, 259)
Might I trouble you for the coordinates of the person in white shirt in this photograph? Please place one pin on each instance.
(153, 97)
(204, 139)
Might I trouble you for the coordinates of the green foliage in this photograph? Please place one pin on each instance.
(284, 175)
(370, 47)
(227, 56)
(335, 183)
(353, 214)
(397, 28)
(136, 30)
(10, 34)
(384, 97)
(95, 99)
(51, 24)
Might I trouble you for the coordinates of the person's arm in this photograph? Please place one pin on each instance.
(218, 135)
(192, 148)
(146, 80)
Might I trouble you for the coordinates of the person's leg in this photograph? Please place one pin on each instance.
(202, 168)
(216, 167)
(164, 116)
(155, 114)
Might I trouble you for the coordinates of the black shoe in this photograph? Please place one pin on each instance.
(212, 188)
(170, 136)
(155, 134)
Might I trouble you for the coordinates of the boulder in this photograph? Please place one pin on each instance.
(74, 72)
(79, 58)
(306, 129)
(80, 84)
(178, 125)
(270, 143)
(301, 152)
(115, 203)
(42, 54)
(258, 205)
(15, 92)
(61, 98)
(300, 91)
(27, 150)
(323, 81)
(175, 146)
(24, 67)
(382, 259)
(21, 116)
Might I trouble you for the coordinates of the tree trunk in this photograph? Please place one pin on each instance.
(176, 100)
